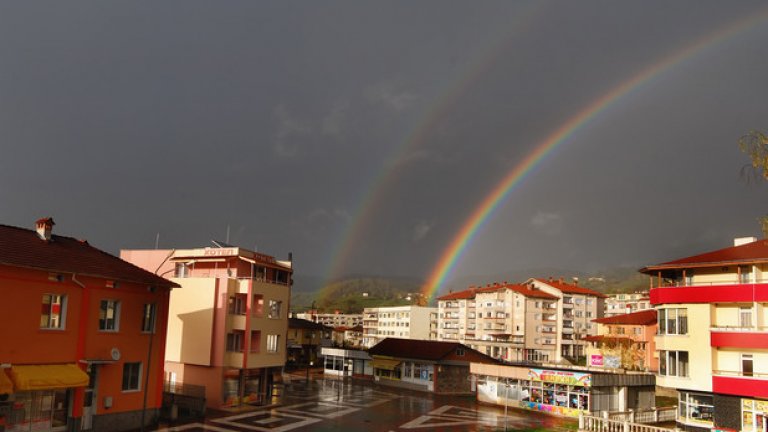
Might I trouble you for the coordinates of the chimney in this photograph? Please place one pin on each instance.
(743, 240)
(44, 226)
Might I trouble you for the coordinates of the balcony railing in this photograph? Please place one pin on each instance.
(740, 329)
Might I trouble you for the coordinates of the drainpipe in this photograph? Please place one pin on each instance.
(79, 393)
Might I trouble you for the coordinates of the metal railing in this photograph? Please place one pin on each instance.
(184, 389)
(588, 423)
(740, 374)
(722, 328)
(655, 415)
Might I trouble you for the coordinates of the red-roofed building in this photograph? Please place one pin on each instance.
(82, 335)
(576, 308)
(438, 367)
(712, 338)
(624, 342)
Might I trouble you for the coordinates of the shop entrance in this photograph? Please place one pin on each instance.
(90, 397)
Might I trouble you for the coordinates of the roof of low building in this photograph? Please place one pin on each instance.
(419, 349)
(645, 317)
(519, 288)
(298, 323)
(608, 339)
(754, 252)
(20, 247)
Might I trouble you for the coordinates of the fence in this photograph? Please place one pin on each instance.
(655, 415)
(602, 424)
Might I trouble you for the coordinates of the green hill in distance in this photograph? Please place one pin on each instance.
(353, 294)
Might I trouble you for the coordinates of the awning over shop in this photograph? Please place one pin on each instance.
(385, 364)
(44, 377)
(5, 383)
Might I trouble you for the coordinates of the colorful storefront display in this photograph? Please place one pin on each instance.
(563, 392)
(754, 415)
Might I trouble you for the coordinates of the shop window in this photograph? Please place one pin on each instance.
(148, 318)
(131, 376)
(273, 343)
(53, 311)
(109, 315)
(696, 408)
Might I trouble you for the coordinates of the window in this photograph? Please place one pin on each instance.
(148, 318)
(673, 321)
(182, 270)
(696, 408)
(459, 352)
(746, 365)
(109, 315)
(237, 304)
(272, 343)
(257, 306)
(131, 376)
(745, 317)
(274, 308)
(235, 341)
(53, 312)
(673, 363)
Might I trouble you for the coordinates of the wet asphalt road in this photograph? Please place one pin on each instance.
(352, 405)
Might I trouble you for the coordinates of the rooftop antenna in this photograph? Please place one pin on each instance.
(227, 240)
(157, 240)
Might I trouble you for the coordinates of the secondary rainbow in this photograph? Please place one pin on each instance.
(455, 86)
(485, 209)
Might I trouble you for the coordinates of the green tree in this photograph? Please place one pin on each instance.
(755, 145)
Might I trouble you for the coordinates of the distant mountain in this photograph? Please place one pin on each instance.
(352, 294)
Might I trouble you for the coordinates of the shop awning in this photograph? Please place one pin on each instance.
(5, 383)
(44, 377)
(385, 364)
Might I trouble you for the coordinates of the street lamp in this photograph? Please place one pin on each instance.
(506, 402)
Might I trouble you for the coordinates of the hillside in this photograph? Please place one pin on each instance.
(353, 294)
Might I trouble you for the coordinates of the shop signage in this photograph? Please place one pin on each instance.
(560, 377)
(596, 360)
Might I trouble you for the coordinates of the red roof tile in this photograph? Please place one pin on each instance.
(607, 339)
(521, 289)
(755, 252)
(21, 247)
(646, 317)
(571, 289)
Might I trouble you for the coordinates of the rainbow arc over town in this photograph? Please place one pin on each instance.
(453, 88)
(485, 210)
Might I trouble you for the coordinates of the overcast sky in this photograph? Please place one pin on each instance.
(365, 133)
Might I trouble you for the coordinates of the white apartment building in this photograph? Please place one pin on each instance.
(539, 321)
(625, 303)
(333, 319)
(404, 322)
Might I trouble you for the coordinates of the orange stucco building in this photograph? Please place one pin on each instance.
(82, 335)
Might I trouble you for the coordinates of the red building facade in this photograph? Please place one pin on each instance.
(82, 333)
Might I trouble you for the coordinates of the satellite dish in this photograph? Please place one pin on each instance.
(115, 353)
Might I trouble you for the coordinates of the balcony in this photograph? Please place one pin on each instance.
(739, 337)
(733, 383)
(549, 317)
(715, 293)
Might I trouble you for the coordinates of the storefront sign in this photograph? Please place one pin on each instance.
(560, 377)
(558, 410)
(596, 360)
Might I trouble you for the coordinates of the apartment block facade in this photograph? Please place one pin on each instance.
(539, 320)
(712, 339)
(404, 322)
(228, 325)
(624, 303)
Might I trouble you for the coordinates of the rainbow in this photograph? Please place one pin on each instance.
(378, 185)
(485, 209)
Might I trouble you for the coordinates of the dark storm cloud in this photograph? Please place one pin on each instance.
(125, 120)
